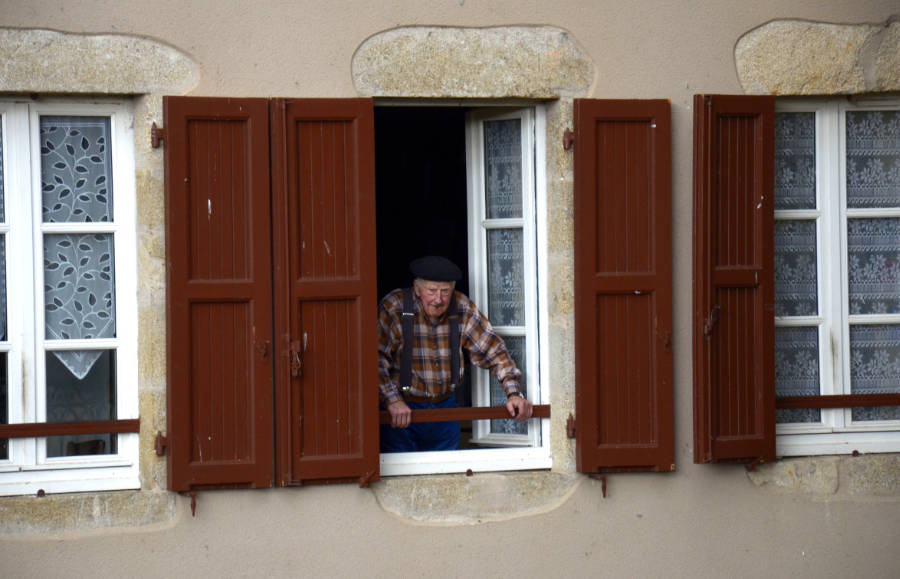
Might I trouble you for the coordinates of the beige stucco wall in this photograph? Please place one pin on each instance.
(828, 516)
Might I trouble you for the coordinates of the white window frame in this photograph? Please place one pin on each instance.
(835, 433)
(28, 469)
(521, 452)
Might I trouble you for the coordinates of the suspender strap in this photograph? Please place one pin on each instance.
(407, 321)
(453, 318)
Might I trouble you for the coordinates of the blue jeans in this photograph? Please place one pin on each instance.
(422, 435)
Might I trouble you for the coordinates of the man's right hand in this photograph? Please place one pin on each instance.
(401, 415)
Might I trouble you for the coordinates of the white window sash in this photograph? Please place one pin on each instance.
(835, 433)
(530, 451)
(29, 467)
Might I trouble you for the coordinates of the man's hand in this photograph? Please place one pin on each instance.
(519, 408)
(401, 415)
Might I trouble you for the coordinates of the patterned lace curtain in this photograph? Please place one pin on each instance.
(796, 254)
(76, 181)
(505, 247)
(3, 294)
(873, 247)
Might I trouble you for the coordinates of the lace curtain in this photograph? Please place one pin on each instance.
(3, 293)
(503, 167)
(873, 159)
(76, 182)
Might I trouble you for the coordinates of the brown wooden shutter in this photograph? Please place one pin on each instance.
(327, 409)
(219, 306)
(734, 369)
(623, 286)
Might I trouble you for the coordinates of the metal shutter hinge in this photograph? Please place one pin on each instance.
(162, 443)
(570, 426)
(568, 140)
(157, 134)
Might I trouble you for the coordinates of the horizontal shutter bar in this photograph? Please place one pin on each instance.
(458, 414)
(35, 429)
(838, 401)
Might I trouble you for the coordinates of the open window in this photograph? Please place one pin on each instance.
(462, 182)
(274, 269)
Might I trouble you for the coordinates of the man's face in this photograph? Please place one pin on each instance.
(435, 296)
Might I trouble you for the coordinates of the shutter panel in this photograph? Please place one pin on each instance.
(734, 369)
(326, 305)
(219, 308)
(623, 286)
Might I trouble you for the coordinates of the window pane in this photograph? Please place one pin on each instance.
(796, 280)
(3, 292)
(2, 179)
(797, 371)
(4, 405)
(873, 158)
(73, 399)
(503, 168)
(875, 367)
(506, 277)
(79, 293)
(873, 247)
(76, 169)
(516, 347)
(795, 161)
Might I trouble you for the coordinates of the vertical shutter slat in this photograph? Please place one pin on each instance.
(734, 391)
(623, 311)
(325, 232)
(219, 402)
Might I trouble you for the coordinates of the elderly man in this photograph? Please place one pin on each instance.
(439, 317)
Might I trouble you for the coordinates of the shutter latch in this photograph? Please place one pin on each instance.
(297, 352)
(712, 320)
(570, 426)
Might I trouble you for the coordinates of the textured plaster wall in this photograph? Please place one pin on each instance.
(598, 50)
(37, 62)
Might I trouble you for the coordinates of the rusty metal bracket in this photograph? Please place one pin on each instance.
(570, 426)
(568, 140)
(366, 478)
(162, 443)
(602, 479)
(752, 466)
(193, 495)
(157, 134)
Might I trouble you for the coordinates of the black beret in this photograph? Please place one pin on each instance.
(435, 268)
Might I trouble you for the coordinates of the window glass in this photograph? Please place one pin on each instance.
(506, 277)
(875, 367)
(795, 161)
(873, 159)
(76, 176)
(516, 347)
(873, 247)
(71, 398)
(796, 283)
(503, 168)
(797, 370)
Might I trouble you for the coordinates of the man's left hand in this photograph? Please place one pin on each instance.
(519, 408)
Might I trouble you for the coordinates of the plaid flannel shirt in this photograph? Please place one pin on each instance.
(431, 354)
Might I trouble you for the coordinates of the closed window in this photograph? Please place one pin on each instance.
(837, 272)
(68, 363)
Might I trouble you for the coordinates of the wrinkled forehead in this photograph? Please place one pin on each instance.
(434, 286)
